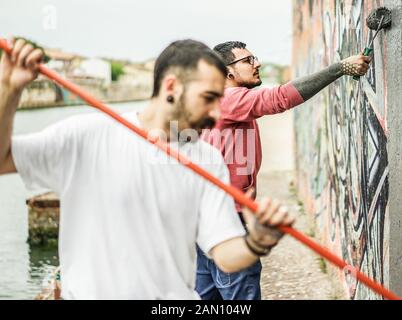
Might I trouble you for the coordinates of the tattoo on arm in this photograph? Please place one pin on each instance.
(310, 85)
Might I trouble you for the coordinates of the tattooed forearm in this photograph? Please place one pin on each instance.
(310, 85)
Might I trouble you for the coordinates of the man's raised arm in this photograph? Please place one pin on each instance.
(244, 104)
(16, 71)
(310, 85)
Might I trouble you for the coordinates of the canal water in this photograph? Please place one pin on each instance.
(24, 270)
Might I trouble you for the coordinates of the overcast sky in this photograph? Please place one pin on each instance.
(139, 29)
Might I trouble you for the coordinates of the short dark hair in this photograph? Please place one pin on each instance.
(225, 50)
(184, 55)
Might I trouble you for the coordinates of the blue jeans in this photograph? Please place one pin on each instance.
(214, 284)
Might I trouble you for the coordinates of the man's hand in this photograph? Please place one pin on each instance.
(17, 69)
(21, 66)
(355, 65)
(238, 253)
(262, 226)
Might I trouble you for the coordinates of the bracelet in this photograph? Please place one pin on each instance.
(259, 253)
(257, 245)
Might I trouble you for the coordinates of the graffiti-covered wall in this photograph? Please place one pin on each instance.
(341, 138)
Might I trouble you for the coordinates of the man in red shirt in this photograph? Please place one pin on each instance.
(237, 136)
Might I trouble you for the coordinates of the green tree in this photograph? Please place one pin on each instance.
(117, 70)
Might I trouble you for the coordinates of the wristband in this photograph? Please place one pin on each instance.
(261, 252)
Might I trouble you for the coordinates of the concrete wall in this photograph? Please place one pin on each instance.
(348, 158)
(394, 118)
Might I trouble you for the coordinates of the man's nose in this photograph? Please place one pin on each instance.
(257, 64)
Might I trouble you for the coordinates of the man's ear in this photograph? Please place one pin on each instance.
(230, 74)
(169, 84)
(172, 85)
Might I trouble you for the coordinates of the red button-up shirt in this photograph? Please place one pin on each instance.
(236, 134)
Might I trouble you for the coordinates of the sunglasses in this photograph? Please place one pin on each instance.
(250, 59)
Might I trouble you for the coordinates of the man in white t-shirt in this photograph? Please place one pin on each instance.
(131, 216)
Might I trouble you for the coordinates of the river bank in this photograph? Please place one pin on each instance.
(44, 93)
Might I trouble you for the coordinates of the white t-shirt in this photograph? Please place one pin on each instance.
(130, 215)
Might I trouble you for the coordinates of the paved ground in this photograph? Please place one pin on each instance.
(291, 271)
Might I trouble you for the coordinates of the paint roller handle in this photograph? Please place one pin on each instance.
(367, 52)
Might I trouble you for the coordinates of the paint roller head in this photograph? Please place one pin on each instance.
(374, 19)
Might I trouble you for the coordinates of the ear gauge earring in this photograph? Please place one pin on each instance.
(230, 76)
(170, 99)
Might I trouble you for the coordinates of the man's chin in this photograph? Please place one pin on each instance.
(253, 85)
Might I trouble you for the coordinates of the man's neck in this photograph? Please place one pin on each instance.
(231, 84)
(154, 117)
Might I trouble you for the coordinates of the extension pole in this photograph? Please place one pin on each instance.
(238, 195)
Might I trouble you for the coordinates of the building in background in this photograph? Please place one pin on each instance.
(133, 81)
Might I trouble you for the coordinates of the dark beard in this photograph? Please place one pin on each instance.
(181, 114)
(249, 85)
(206, 123)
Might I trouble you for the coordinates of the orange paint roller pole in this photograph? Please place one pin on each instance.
(238, 195)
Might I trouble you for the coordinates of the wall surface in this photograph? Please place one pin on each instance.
(343, 157)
